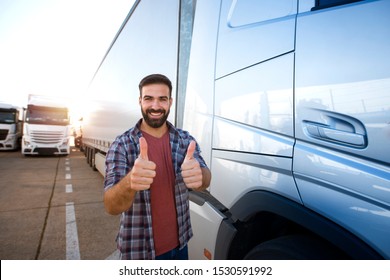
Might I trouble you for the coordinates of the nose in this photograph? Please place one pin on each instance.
(155, 103)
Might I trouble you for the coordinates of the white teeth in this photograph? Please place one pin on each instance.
(155, 114)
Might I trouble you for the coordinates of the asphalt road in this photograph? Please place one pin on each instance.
(51, 208)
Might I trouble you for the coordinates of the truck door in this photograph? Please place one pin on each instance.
(253, 124)
(240, 88)
(342, 155)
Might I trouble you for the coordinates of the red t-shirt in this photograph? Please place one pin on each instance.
(164, 217)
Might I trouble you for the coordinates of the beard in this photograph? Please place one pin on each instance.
(152, 122)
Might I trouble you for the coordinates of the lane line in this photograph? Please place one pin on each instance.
(114, 256)
(68, 188)
(72, 240)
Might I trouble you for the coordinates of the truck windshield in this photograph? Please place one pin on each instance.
(47, 115)
(7, 116)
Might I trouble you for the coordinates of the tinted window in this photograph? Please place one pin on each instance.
(321, 4)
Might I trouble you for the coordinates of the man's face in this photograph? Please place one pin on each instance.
(155, 104)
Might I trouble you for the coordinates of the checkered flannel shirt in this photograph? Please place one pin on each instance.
(135, 237)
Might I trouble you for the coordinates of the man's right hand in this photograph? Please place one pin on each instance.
(143, 171)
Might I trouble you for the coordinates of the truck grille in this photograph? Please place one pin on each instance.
(3, 134)
(47, 137)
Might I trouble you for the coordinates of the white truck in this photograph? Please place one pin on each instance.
(46, 129)
(290, 103)
(11, 126)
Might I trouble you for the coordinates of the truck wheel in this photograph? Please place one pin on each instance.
(294, 247)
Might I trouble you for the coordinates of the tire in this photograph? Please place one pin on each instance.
(294, 247)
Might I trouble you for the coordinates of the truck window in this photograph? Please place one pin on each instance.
(322, 4)
(7, 117)
(245, 12)
(47, 115)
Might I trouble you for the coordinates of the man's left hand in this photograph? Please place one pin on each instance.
(190, 169)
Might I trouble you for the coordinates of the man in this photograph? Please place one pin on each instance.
(149, 170)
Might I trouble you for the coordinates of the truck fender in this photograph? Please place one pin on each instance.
(256, 202)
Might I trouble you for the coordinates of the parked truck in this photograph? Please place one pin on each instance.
(290, 103)
(11, 126)
(46, 129)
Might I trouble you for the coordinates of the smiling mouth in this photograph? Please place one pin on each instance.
(155, 118)
(155, 114)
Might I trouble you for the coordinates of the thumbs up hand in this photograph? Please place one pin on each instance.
(190, 169)
(143, 171)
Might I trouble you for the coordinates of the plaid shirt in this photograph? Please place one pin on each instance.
(135, 237)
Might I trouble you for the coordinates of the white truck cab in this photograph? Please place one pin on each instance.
(46, 129)
(11, 126)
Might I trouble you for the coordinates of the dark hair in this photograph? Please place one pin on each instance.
(155, 79)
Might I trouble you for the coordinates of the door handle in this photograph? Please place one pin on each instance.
(335, 128)
(323, 132)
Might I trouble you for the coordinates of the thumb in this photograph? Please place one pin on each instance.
(191, 150)
(143, 145)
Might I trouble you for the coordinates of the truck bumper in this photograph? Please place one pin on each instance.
(7, 146)
(31, 150)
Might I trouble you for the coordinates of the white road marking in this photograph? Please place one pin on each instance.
(114, 256)
(68, 188)
(72, 240)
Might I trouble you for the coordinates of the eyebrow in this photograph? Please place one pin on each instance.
(158, 97)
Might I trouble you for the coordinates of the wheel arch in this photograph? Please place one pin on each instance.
(270, 215)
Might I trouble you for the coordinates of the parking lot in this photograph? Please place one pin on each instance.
(51, 208)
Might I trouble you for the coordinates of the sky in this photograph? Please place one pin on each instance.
(53, 47)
